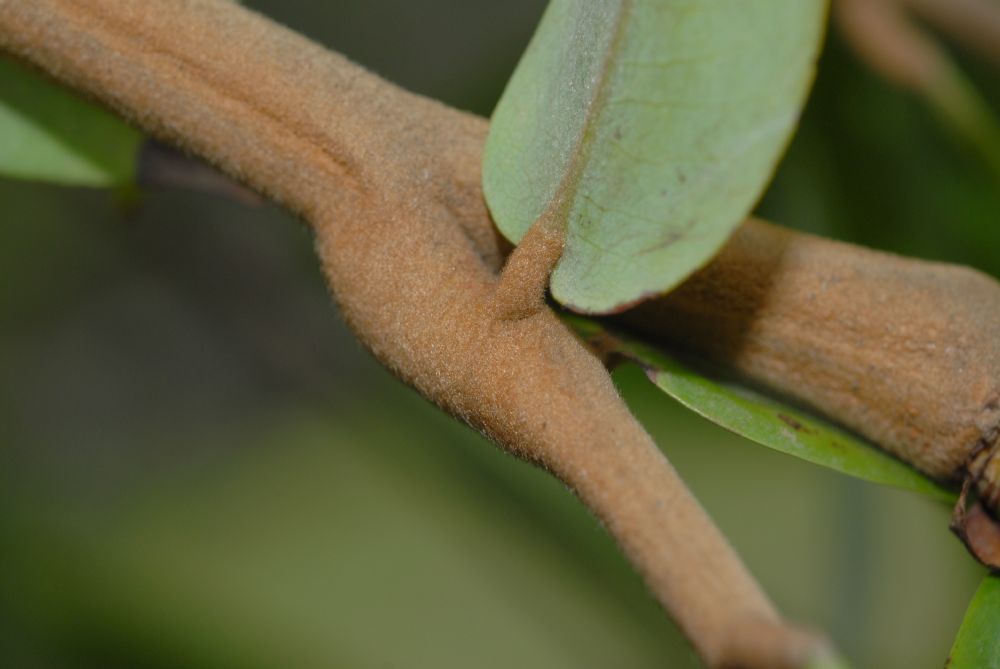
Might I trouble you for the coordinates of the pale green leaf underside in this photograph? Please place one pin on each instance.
(977, 645)
(766, 420)
(659, 121)
(49, 134)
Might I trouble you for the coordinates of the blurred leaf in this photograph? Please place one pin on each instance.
(649, 128)
(977, 645)
(49, 134)
(966, 113)
(763, 419)
(829, 663)
(325, 544)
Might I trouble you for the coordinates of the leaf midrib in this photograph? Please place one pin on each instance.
(557, 212)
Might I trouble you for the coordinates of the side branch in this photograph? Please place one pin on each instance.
(525, 278)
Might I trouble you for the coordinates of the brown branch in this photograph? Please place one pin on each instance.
(854, 332)
(974, 23)
(903, 351)
(524, 281)
(390, 183)
(885, 35)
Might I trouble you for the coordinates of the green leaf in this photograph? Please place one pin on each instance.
(763, 419)
(49, 134)
(964, 110)
(977, 645)
(654, 125)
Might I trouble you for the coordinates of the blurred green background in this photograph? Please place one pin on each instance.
(201, 468)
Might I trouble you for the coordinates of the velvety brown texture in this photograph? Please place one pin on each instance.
(390, 182)
(903, 351)
(524, 281)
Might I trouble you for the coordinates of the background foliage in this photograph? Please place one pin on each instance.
(202, 468)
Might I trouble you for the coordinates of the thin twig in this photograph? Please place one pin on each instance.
(973, 23)
(884, 35)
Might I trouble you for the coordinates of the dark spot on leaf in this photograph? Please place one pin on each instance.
(669, 239)
(617, 134)
(792, 423)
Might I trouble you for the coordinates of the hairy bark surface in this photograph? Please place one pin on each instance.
(390, 184)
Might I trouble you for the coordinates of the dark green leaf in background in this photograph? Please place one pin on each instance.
(311, 549)
(49, 134)
(962, 108)
(655, 124)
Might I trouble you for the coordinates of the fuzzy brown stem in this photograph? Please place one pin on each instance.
(525, 278)
(905, 352)
(391, 185)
